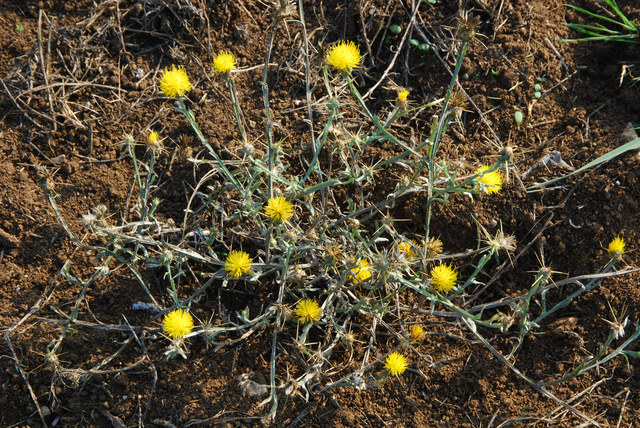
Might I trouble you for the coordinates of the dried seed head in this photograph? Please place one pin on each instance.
(349, 339)
(248, 149)
(96, 218)
(47, 178)
(296, 275)
(458, 100)
(506, 321)
(502, 242)
(506, 153)
(434, 248)
(417, 333)
(618, 325)
(283, 9)
(335, 253)
(467, 26)
(249, 386)
(409, 249)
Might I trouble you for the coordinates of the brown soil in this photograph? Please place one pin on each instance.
(98, 81)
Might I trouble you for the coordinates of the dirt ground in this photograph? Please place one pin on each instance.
(79, 75)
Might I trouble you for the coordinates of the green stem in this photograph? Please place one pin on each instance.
(317, 150)
(221, 166)
(437, 136)
(236, 107)
(374, 119)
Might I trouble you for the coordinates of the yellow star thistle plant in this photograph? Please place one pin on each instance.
(175, 82)
(237, 264)
(402, 95)
(490, 182)
(177, 323)
(616, 248)
(279, 209)
(224, 62)
(344, 56)
(308, 310)
(396, 364)
(362, 272)
(444, 277)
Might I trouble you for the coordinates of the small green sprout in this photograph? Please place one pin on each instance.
(517, 116)
(537, 91)
(395, 29)
(19, 28)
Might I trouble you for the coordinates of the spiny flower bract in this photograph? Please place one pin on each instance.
(279, 209)
(616, 247)
(308, 310)
(237, 264)
(489, 182)
(224, 62)
(175, 82)
(177, 323)
(396, 364)
(362, 272)
(444, 277)
(344, 56)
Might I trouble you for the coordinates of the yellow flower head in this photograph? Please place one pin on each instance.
(444, 277)
(396, 364)
(308, 311)
(279, 209)
(406, 248)
(224, 62)
(238, 263)
(490, 182)
(417, 332)
(344, 56)
(362, 272)
(402, 95)
(177, 323)
(153, 141)
(153, 137)
(175, 82)
(616, 247)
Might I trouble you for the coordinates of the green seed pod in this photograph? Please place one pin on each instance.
(414, 42)
(395, 29)
(424, 47)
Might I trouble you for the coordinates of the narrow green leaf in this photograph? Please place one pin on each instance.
(631, 145)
